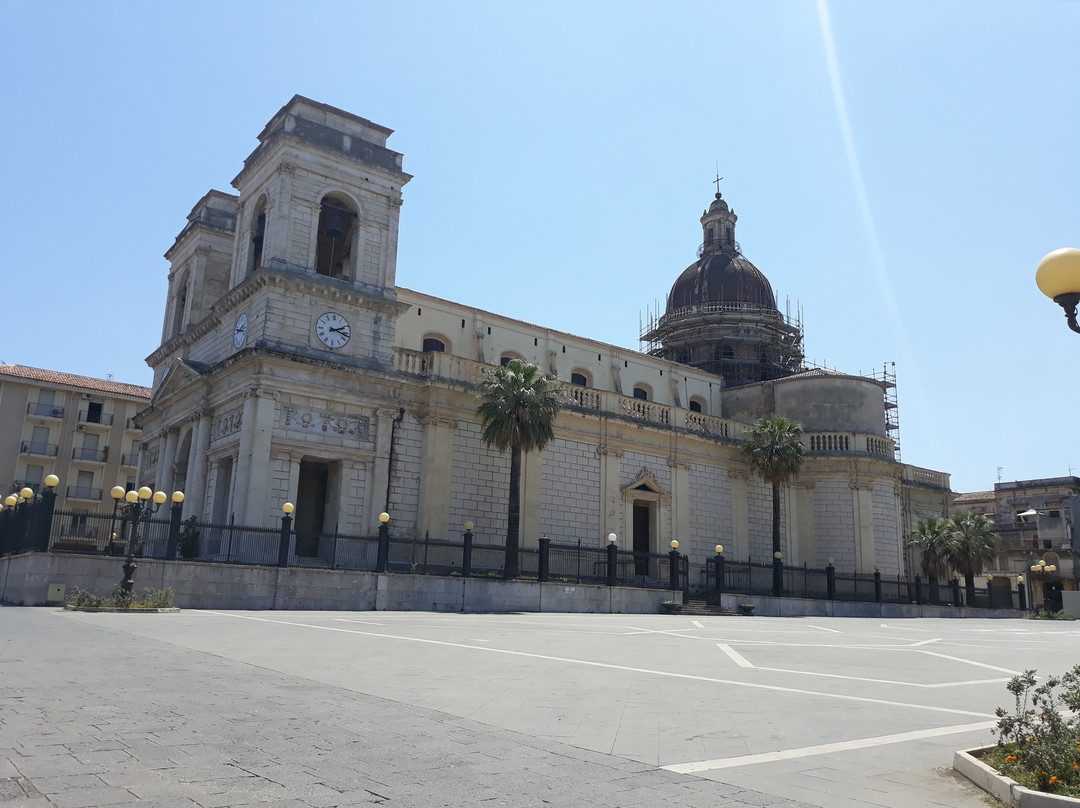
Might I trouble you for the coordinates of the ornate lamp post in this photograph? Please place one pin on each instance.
(31, 515)
(1042, 572)
(1058, 277)
(139, 507)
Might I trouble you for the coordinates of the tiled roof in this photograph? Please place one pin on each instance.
(71, 380)
(973, 496)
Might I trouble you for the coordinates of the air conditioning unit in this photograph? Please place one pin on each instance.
(57, 413)
(87, 396)
(81, 427)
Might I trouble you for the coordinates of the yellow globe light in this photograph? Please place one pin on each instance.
(132, 496)
(1051, 567)
(612, 538)
(674, 545)
(118, 492)
(27, 493)
(288, 507)
(470, 525)
(160, 497)
(177, 497)
(777, 555)
(1019, 579)
(1059, 273)
(719, 549)
(11, 500)
(145, 492)
(52, 481)
(384, 517)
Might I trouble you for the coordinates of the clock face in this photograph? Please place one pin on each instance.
(240, 334)
(332, 330)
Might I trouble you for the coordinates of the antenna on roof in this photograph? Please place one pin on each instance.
(1000, 469)
(109, 376)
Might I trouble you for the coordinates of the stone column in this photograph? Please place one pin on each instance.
(532, 481)
(740, 513)
(166, 461)
(380, 479)
(800, 520)
(680, 503)
(863, 513)
(195, 495)
(436, 469)
(253, 461)
(611, 502)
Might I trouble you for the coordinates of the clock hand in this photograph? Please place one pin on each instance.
(341, 330)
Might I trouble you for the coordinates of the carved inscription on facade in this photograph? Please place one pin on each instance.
(227, 424)
(326, 423)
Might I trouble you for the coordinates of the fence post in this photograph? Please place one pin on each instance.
(718, 564)
(466, 550)
(955, 585)
(542, 561)
(673, 566)
(382, 559)
(1021, 596)
(283, 543)
(612, 563)
(877, 586)
(44, 518)
(830, 581)
(174, 530)
(918, 590)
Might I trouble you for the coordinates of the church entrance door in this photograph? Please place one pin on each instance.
(642, 536)
(310, 506)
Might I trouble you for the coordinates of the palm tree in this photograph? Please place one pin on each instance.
(518, 405)
(775, 452)
(933, 538)
(973, 546)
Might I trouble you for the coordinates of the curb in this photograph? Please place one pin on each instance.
(1004, 788)
(169, 610)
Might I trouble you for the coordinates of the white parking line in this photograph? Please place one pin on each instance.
(605, 665)
(824, 749)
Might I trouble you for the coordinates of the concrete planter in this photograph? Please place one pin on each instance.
(1004, 788)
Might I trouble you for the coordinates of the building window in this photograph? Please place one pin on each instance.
(579, 379)
(258, 234)
(337, 228)
(695, 405)
(433, 345)
(641, 393)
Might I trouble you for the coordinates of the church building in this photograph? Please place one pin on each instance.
(293, 368)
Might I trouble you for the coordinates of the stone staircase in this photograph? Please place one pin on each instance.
(700, 607)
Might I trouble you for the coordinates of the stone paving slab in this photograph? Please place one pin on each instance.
(92, 715)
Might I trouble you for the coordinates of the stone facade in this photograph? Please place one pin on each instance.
(293, 368)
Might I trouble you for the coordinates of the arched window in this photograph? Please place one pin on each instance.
(434, 345)
(258, 234)
(642, 393)
(337, 229)
(696, 405)
(506, 358)
(579, 379)
(724, 352)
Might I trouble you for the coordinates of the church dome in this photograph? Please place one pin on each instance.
(722, 277)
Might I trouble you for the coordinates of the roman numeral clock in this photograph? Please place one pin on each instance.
(332, 330)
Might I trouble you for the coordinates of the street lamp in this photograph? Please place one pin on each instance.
(1042, 572)
(139, 506)
(777, 574)
(1058, 277)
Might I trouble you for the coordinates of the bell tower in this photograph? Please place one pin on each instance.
(322, 195)
(718, 228)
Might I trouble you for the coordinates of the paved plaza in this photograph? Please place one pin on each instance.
(414, 709)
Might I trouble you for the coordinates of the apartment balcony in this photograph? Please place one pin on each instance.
(90, 455)
(44, 410)
(131, 460)
(39, 448)
(100, 418)
(83, 492)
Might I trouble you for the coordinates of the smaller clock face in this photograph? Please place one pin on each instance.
(240, 334)
(332, 330)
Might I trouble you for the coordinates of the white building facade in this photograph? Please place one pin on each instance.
(293, 369)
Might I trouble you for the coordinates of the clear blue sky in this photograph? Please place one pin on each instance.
(898, 170)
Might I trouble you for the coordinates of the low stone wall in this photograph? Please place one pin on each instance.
(811, 607)
(25, 580)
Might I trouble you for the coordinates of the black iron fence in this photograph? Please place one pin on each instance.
(26, 529)
(750, 578)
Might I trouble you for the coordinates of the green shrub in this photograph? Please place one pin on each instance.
(1046, 614)
(119, 599)
(1039, 741)
(188, 544)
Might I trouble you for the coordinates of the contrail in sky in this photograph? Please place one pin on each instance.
(888, 295)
